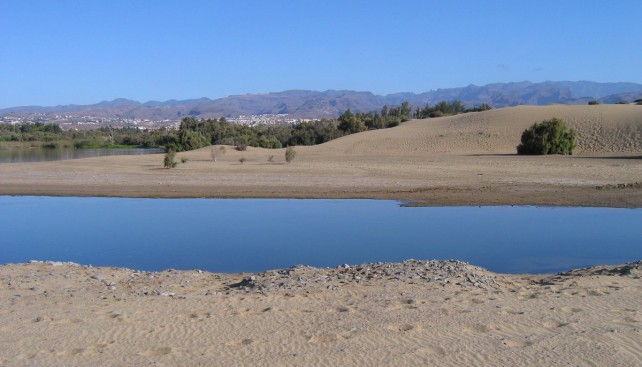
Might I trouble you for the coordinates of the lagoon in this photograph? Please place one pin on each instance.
(37, 154)
(250, 235)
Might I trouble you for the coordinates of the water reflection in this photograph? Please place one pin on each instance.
(56, 154)
(238, 235)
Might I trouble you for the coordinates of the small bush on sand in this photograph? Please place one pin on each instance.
(214, 153)
(170, 159)
(593, 102)
(549, 137)
(242, 160)
(290, 153)
(184, 159)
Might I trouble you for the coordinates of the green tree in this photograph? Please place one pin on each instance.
(549, 137)
(349, 123)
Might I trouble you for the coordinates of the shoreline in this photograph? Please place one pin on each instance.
(440, 263)
(625, 195)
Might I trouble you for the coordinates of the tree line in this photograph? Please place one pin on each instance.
(196, 133)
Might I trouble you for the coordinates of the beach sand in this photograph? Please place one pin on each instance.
(416, 313)
(420, 313)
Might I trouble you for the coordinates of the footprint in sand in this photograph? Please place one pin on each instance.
(552, 324)
(341, 309)
(480, 328)
(323, 338)
(429, 349)
(71, 352)
(570, 309)
(512, 343)
(239, 343)
(156, 352)
(400, 327)
(43, 319)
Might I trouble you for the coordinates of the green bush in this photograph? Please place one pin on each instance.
(593, 102)
(290, 153)
(549, 137)
(170, 159)
(622, 102)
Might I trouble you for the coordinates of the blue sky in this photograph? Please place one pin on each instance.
(61, 52)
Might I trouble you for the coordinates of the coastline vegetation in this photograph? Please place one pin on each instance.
(196, 133)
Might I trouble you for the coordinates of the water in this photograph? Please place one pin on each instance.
(243, 235)
(57, 154)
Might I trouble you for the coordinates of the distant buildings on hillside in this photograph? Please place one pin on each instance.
(78, 122)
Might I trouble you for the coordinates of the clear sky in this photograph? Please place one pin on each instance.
(64, 51)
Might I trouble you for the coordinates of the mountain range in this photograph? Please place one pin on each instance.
(331, 103)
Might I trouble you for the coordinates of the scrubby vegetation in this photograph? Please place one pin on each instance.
(444, 108)
(170, 159)
(548, 137)
(52, 136)
(290, 153)
(593, 102)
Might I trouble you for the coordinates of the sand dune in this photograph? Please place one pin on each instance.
(55, 315)
(602, 129)
(460, 160)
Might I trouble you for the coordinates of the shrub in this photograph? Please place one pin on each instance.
(170, 159)
(241, 143)
(622, 102)
(593, 102)
(214, 154)
(549, 137)
(638, 101)
(242, 160)
(290, 153)
(184, 159)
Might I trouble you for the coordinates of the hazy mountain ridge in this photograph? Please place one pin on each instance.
(331, 103)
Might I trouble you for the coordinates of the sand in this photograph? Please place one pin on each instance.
(460, 160)
(70, 315)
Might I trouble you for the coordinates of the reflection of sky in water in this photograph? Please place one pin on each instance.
(235, 235)
(44, 154)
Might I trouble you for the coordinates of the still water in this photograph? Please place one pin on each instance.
(239, 235)
(57, 154)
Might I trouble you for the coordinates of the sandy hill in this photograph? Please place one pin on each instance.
(602, 130)
(468, 159)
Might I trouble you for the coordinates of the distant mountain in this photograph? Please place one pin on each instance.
(331, 103)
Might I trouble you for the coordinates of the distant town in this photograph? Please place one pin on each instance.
(80, 122)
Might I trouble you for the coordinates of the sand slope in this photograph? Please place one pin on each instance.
(55, 315)
(460, 160)
(602, 129)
